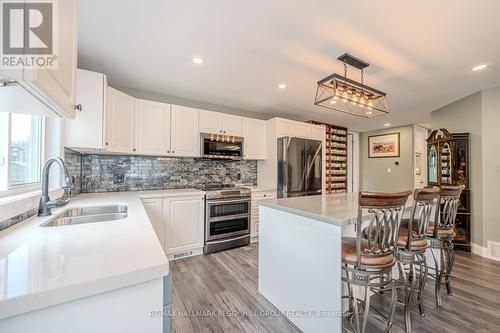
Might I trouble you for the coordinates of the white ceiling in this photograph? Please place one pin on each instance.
(420, 54)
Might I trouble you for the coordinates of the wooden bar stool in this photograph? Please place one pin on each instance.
(412, 245)
(368, 263)
(441, 234)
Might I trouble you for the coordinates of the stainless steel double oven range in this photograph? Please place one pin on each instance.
(227, 218)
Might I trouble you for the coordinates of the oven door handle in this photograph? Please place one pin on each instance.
(218, 202)
(225, 240)
(228, 217)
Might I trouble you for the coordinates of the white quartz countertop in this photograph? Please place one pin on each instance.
(44, 266)
(338, 209)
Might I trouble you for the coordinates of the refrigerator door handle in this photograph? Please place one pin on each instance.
(309, 167)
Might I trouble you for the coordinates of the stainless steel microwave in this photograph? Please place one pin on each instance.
(220, 146)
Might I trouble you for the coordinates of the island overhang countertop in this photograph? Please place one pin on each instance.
(339, 209)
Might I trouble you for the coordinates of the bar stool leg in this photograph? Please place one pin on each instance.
(409, 287)
(394, 301)
(451, 261)
(423, 278)
(355, 306)
(367, 309)
(439, 278)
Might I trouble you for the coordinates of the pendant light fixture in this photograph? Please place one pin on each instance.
(342, 94)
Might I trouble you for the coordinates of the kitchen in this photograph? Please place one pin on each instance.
(135, 197)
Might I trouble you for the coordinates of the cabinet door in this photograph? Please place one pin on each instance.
(120, 122)
(210, 122)
(231, 125)
(153, 208)
(318, 132)
(185, 131)
(153, 128)
(286, 128)
(55, 87)
(303, 130)
(87, 129)
(184, 223)
(254, 135)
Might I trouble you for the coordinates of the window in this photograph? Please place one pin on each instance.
(20, 151)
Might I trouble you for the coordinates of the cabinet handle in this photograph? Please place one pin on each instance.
(173, 152)
(78, 107)
(224, 132)
(107, 144)
(168, 151)
(133, 149)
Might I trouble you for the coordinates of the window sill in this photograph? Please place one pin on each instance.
(16, 204)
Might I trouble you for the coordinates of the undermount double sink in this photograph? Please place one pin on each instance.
(90, 214)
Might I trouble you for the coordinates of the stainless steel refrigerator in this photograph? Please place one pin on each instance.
(299, 167)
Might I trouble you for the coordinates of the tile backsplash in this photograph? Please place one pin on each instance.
(112, 173)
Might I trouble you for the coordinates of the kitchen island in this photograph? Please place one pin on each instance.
(300, 247)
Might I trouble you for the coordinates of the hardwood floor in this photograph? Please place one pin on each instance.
(218, 293)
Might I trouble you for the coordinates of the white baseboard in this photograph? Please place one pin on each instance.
(491, 251)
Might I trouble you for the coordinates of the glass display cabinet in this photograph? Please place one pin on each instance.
(448, 164)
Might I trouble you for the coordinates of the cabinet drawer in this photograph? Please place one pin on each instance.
(263, 195)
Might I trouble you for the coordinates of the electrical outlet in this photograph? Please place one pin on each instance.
(120, 178)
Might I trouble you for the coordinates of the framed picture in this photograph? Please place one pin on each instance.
(384, 145)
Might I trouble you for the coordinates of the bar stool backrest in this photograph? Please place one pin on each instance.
(425, 201)
(449, 199)
(385, 212)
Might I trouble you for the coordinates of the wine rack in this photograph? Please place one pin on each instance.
(336, 158)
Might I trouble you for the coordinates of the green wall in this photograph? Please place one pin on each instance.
(465, 115)
(373, 171)
(490, 117)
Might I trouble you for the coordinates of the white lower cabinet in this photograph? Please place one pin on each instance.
(153, 209)
(178, 223)
(257, 196)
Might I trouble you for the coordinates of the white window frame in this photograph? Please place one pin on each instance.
(13, 190)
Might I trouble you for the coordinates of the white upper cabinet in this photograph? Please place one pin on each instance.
(303, 130)
(292, 128)
(231, 125)
(153, 128)
(285, 127)
(120, 122)
(254, 135)
(48, 92)
(318, 132)
(185, 132)
(86, 130)
(210, 122)
(219, 123)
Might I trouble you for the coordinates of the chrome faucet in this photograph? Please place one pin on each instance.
(46, 205)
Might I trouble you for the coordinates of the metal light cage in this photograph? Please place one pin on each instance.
(345, 95)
